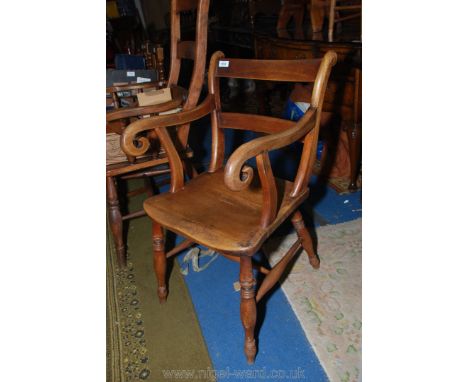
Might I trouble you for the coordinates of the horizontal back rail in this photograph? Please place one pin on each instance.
(269, 70)
(186, 5)
(252, 122)
(186, 50)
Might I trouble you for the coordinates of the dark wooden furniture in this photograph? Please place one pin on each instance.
(235, 23)
(233, 209)
(292, 9)
(152, 155)
(352, 8)
(343, 97)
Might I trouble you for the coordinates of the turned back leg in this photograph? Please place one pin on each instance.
(159, 261)
(306, 240)
(115, 220)
(248, 307)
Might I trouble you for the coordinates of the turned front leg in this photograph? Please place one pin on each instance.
(248, 308)
(306, 240)
(159, 261)
(115, 220)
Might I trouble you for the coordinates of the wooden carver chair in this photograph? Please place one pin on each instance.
(233, 209)
(143, 164)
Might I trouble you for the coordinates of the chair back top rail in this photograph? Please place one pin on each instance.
(186, 50)
(252, 122)
(269, 70)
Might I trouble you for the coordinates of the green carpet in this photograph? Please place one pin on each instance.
(145, 338)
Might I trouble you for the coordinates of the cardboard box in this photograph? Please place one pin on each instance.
(154, 97)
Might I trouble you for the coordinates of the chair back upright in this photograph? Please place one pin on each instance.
(189, 50)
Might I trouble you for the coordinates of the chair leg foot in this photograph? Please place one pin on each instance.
(115, 220)
(306, 240)
(159, 261)
(248, 307)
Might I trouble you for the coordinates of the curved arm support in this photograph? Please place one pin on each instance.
(128, 87)
(129, 135)
(178, 96)
(128, 112)
(237, 177)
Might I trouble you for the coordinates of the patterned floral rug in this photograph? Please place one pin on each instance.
(327, 301)
(127, 358)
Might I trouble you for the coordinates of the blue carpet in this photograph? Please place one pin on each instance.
(283, 347)
(332, 207)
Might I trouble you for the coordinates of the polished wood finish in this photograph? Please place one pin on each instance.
(272, 70)
(234, 209)
(154, 150)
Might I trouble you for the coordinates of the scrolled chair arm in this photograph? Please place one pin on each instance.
(129, 135)
(128, 112)
(178, 97)
(238, 176)
(128, 87)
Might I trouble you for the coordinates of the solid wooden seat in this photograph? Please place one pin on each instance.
(206, 211)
